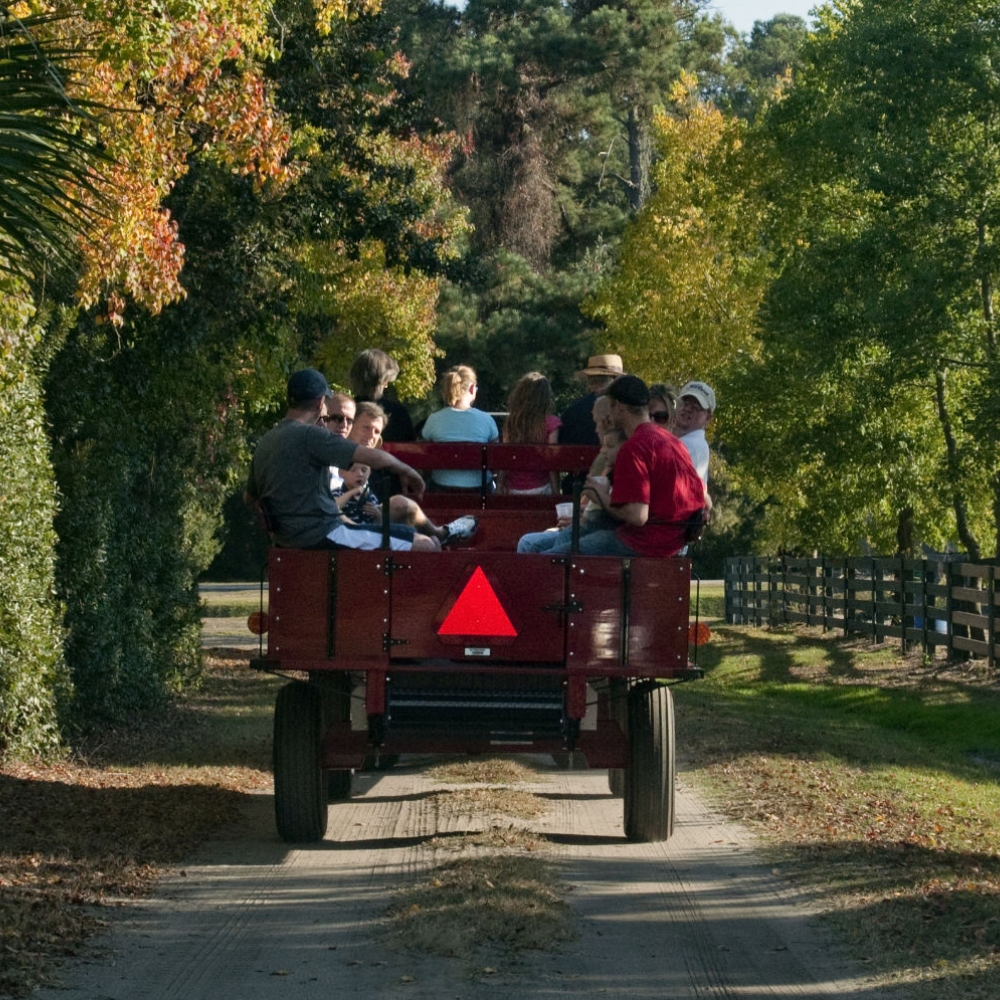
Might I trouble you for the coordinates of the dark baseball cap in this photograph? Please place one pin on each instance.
(306, 385)
(628, 389)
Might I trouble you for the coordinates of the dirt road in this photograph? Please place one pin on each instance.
(698, 917)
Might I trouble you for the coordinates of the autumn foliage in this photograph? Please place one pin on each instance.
(164, 91)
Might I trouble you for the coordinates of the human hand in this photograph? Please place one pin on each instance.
(600, 487)
(412, 482)
(347, 496)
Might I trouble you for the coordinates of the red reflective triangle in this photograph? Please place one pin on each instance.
(477, 611)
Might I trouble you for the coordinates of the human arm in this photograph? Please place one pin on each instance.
(344, 497)
(634, 513)
(411, 480)
(552, 425)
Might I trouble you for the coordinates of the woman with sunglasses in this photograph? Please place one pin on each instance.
(662, 403)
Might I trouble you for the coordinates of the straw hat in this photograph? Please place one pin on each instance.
(603, 364)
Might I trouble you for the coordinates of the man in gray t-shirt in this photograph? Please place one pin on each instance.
(289, 476)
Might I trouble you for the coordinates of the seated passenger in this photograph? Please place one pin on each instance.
(357, 503)
(530, 420)
(290, 477)
(592, 517)
(459, 421)
(656, 490)
(369, 423)
(339, 420)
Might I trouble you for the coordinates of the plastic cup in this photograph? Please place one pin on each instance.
(564, 510)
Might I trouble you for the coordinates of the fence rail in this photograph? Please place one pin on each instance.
(921, 602)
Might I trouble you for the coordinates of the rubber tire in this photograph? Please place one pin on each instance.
(649, 780)
(618, 698)
(300, 787)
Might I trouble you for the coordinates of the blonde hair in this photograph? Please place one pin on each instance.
(456, 382)
(666, 394)
(530, 402)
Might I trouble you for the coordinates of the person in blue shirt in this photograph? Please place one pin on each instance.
(459, 420)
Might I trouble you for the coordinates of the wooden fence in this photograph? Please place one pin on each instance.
(923, 603)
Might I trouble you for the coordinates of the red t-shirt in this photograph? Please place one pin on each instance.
(654, 468)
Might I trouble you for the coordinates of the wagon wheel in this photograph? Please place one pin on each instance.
(299, 786)
(649, 780)
(618, 697)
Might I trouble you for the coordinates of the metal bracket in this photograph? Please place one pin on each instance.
(389, 566)
(574, 607)
(388, 642)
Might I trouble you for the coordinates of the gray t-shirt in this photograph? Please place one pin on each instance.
(290, 472)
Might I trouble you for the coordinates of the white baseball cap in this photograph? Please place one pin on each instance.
(705, 394)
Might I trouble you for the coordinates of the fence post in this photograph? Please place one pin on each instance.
(784, 589)
(876, 581)
(825, 571)
(949, 605)
(991, 617)
(902, 603)
(848, 594)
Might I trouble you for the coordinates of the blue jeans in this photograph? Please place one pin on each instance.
(545, 541)
(541, 541)
(596, 543)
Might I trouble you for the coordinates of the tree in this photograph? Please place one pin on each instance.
(884, 171)
(640, 47)
(683, 301)
(759, 65)
(297, 222)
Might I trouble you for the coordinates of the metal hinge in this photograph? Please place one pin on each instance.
(388, 642)
(390, 566)
(574, 607)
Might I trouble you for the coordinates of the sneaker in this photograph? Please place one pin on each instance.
(460, 530)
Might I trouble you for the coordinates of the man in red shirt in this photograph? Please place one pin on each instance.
(656, 489)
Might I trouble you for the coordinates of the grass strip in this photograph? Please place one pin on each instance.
(873, 777)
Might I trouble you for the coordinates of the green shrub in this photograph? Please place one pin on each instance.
(144, 447)
(33, 676)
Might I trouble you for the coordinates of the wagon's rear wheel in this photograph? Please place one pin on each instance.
(300, 791)
(649, 779)
(618, 698)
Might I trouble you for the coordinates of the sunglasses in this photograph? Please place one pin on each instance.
(661, 417)
(337, 418)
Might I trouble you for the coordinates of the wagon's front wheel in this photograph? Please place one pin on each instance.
(300, 788)
(649, 778)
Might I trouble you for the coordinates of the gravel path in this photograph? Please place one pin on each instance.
(698, 917)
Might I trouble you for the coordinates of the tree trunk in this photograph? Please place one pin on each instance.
(954, 471)
(986, 290)
(638, 158)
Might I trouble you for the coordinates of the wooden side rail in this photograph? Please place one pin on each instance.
(427, 455)
(540, 457)
(562, 458)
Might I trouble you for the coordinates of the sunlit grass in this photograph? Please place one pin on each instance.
(875, 779)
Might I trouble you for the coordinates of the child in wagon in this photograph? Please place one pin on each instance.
(357, 503)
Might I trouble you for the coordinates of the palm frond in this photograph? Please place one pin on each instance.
(47, 152)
